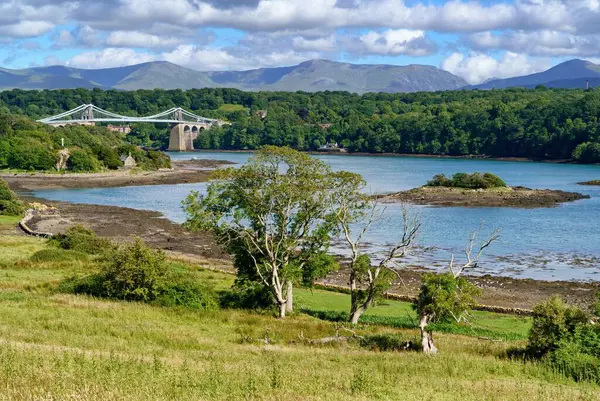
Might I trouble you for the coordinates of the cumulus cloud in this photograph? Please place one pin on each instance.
(540, 43)
(109, 57)
(477, 67)
(285, 32)
(26, 29)
(140, 39)
(325, 44)
(391, 43)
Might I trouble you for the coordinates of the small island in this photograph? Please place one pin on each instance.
(479, 190)
(592, 182)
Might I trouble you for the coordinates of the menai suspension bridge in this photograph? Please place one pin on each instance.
(185, 126)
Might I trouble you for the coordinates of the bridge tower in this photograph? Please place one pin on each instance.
(88, 113)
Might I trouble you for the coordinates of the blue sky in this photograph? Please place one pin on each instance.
(474, 39)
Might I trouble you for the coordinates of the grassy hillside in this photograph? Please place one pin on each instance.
(61, 346)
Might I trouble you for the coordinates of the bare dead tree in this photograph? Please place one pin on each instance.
(368, 281)
(450, 295)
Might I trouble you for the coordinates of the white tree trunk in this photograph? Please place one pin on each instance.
(427, 345)
(289, 295)
(355, 315)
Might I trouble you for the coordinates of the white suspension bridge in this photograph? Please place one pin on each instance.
(185, 126)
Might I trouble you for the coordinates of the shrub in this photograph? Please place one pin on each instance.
(79, 238)
(10, 205)
(184, 291)
(82, 161)
(468, 181)
(57, 255)
(553, 322)
(389, 342)
(90, 285)
(247, 294)
(8, 208)
(136, 273)
(570, 361)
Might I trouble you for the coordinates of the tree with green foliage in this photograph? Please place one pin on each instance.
(81, 161)
(448, 296)
(468, 181)
(273, 215)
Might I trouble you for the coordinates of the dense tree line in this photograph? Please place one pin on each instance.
(28, 145)
(540, 123)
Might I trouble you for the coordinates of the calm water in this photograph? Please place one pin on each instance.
(548, 243)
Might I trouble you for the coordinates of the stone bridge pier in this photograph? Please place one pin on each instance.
(183, 135)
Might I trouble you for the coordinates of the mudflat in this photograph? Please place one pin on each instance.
(494, 197)
(182, 172)
(122, 224)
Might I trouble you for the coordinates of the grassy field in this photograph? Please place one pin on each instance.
(56, 346)
(227, 107)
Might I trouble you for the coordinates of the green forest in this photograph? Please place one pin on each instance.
(535, 123)
(28, 145)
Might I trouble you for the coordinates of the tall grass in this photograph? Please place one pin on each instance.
(62, 346)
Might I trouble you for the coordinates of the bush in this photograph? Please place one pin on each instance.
(184, 291)
(57, 255)
(10, 205)
(553, 322)
(247, 294)
(82, 161)
(136, 272)
(78, 238)
(8, 208)
(389, 342)
(468, 181)
(570, 361)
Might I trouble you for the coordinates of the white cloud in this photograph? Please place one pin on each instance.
(193, 57)
(477, 67)
(140, 39)
(109, 57)
(319, 44)
(26, 29)
(539, 43)
(391, 42)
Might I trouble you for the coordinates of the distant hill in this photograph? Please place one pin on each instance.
(310, 76)
(570, 74)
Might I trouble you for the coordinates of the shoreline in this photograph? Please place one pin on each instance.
(121, 224)
(417, 155)
(182, 172)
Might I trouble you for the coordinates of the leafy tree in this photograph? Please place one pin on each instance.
(273, 214)
(81, 161)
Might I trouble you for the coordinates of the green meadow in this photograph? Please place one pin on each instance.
(56, 346)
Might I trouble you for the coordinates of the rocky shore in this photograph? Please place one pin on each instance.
(495, 197)
(182, 172)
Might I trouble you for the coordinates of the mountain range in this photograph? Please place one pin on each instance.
(310, 76)
(570, 74)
